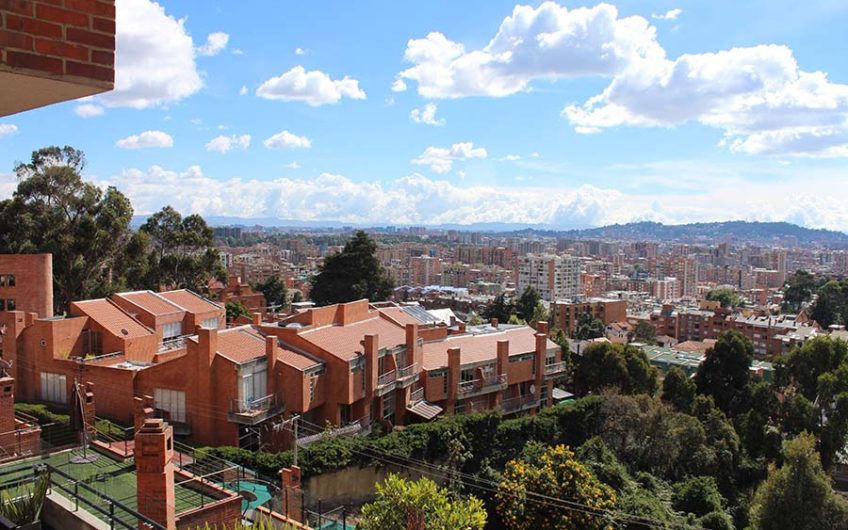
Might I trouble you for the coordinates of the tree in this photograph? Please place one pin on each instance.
(644, 333)
(725, 372)
(525, 306)
(798, 495)
(54, 211)
(604, 365)
(180, 251)
(501, 308)
(799, 288)
(697, 495)
(678, 389)
(589, 327)
(419, 505)
(352, 274)
(235, 310)
(726, 296)
(556, 473)
(275, 292)
(831, 305)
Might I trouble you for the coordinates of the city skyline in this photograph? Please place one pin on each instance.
(570, 114)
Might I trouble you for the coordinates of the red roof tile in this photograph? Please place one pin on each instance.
(191, 302)
(244, 344)
(113, 318)
(345, 341)
(482, 347)
(151, 302)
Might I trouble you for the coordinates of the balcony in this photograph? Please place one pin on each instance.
(386, 382)
(416, 396)
(254, 411)
(174, 343)
(518, 404)
(555, 368)
(406, 376)
(483, 385)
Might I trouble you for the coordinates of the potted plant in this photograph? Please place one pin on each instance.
(20, 507)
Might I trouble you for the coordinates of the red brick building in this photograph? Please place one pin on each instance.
(566, 315)
(348, 364)
(55, 51)
(26, 283)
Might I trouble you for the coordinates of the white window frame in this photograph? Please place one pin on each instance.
(54, 387)
(210, 323)
(172, 330)
(172, 402)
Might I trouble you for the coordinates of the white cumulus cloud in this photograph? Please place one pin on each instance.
(426, 115)
(154, 57)
(8, 129)
(398, 85)
(146, 140)
(671, 14)
(223, 144)
(88, 110)
(243, 90)
(285, 139)
(441, 159)
(314, 87)
(215, 43)
(300, 51)
(546, 42)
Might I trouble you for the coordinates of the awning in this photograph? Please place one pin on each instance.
(561, 395)
(428, 411)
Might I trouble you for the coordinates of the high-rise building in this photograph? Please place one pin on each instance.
(424, 270)
(555, 277)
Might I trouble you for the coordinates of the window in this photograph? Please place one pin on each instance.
(10, 280)
(210, 323)
(254, 381)
(172, 402)
(3, 280)
(92, 341)
(466, 375)
(388, 405)
(10, 304)
(312, 382)
(2, 305)
(54, 387)
(171, 330)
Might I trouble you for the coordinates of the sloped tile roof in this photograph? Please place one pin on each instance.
(345, 341)
(113, 318)
(481, 347)
(191, 302)
(151, 302)
(244, 344)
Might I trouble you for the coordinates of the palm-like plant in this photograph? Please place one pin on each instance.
(22, 505)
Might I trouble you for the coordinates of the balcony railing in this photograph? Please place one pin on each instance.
(409, 371)
(251, 412)
(416, 396)
(555, 368)
(387, 378)
(172, 344)
(519, 403)
(482, 385)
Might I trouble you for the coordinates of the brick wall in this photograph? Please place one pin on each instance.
(33, 273)
(60, 37)
(218, 514)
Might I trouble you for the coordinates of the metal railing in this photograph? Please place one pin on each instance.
(173, 343)
(253, 406)
(519, 403)
(476, 385)
(387, 378)
(555, 368)
(409, 371)
(416, 396)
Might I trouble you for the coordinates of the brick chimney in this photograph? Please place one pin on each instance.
(143, 410)
(454, 363)
(256, 319)
(7, 407)
(271, 357)
(414, 351)
(542, 327)
(541, 353)
(292, 493)
(371, 345)
(154, 467)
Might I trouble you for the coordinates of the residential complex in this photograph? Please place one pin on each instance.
(554, 277)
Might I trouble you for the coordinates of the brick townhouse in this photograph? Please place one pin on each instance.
(348, 364)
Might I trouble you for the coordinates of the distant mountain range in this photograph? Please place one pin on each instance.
(695, 232)
(752, 231)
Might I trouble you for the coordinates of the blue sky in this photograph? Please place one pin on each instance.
(571, 114)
